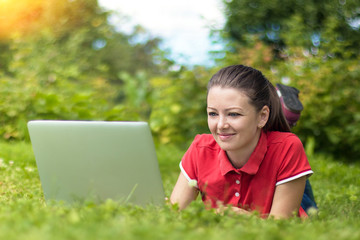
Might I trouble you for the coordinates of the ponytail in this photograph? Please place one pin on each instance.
(277, 120)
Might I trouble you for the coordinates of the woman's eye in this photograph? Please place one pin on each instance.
(212, 114)
(234, 114)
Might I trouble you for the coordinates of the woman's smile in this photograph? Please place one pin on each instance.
(225, 136)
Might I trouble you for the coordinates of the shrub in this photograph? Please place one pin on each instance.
(178, 110)
(331, 98)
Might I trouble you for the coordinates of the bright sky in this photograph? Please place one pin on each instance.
(183, 25)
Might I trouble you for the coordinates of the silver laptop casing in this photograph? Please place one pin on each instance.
(96, 160)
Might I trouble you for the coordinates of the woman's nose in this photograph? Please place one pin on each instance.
(222, 123)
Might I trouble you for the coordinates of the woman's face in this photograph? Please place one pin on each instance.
(233, 121)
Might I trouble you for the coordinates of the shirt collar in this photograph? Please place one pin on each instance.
(252, 165)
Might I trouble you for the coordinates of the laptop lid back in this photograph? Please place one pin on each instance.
(95, 160)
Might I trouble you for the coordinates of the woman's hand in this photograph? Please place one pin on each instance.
(222, 208)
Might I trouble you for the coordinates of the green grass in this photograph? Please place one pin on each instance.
(24, 215)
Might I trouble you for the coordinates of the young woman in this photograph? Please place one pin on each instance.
(250, 160)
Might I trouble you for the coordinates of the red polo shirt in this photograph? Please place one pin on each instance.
(278, 158)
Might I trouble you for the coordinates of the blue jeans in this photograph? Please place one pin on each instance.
(308, 199)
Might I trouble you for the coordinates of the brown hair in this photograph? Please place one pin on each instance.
(259, 90)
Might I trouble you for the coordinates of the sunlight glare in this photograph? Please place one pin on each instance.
(17, 15)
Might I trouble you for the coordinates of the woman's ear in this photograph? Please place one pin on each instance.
(263, 116)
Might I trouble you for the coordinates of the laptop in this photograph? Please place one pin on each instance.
(96, 160)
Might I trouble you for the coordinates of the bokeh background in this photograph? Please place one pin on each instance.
(74, 60)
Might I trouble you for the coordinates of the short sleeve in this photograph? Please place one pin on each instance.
(188, 164)
(294, 162)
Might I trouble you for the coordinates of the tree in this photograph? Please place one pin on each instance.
(63, 60)
(311, 45)
(318, 22)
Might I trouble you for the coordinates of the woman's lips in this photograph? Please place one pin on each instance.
(225, 136)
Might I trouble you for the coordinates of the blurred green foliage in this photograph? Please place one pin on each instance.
(330, 93)
(179, 105)
(313, 46)
(69, 62)
(308, 23)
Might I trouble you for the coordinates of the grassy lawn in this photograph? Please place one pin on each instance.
(24, 215)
